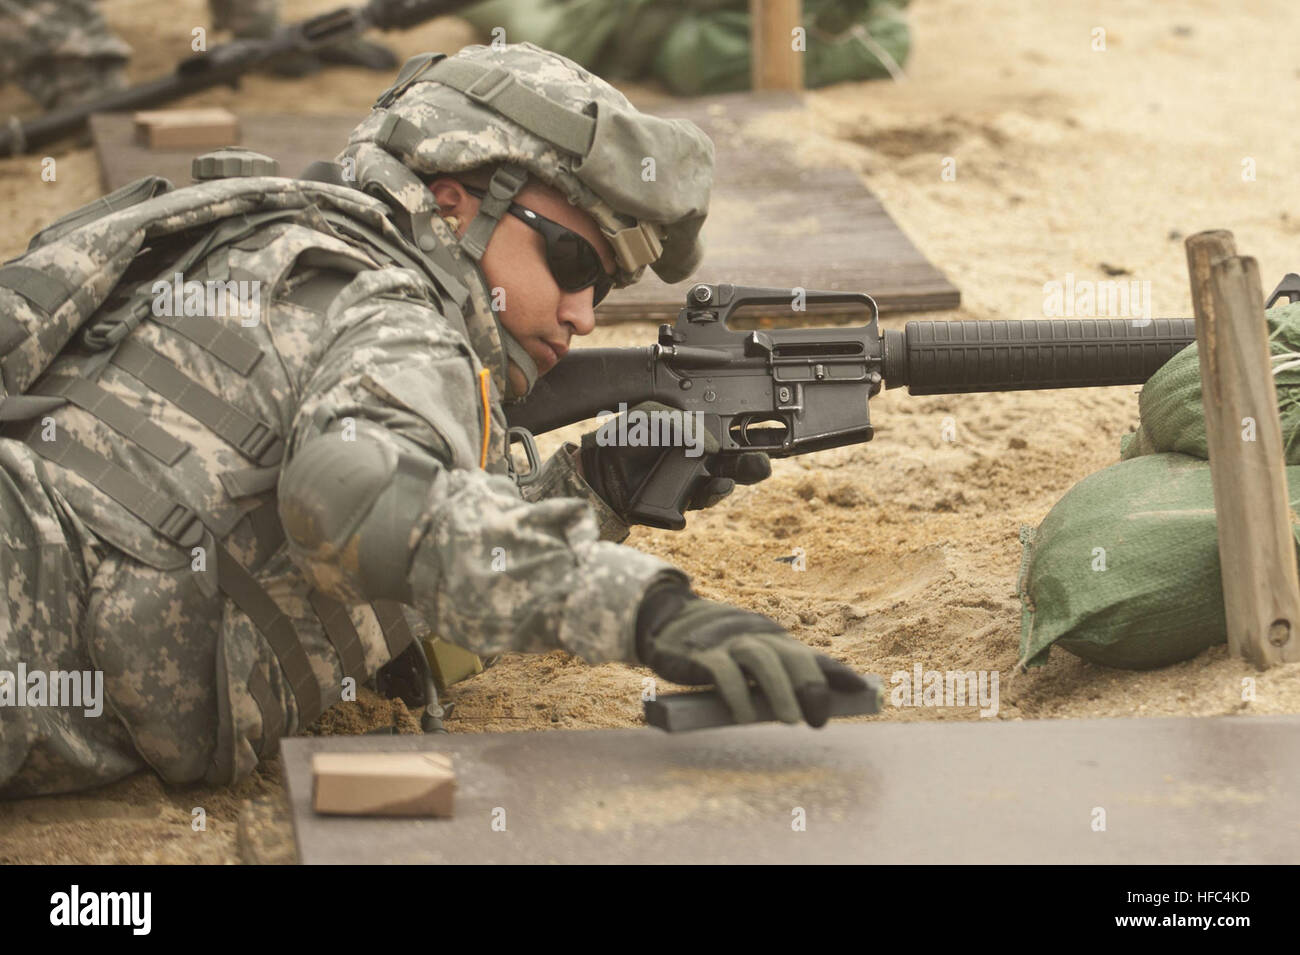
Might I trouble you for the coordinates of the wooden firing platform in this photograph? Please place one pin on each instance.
(1185, 790)
(773, 222)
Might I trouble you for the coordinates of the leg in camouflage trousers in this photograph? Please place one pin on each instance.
(47, 561)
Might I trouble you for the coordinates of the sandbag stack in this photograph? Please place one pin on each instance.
(1124, 570)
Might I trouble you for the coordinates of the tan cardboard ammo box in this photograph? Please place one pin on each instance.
(186, 128)
(383, 784)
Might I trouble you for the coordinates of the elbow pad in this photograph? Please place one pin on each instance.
(349, 509)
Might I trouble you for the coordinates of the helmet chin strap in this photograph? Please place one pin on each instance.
(515, 353)
(505, 184)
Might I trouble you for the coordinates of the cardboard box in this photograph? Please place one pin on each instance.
(383, 784)
(186, 128)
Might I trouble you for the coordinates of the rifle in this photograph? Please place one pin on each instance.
(225, 63)
(795, 390)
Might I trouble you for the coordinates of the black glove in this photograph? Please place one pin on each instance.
(692, 641)
(615, 472)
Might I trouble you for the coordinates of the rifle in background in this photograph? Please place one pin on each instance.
(225, 64)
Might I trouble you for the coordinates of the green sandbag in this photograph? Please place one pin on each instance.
(836, 53)
(578, 29)
(1173, 418)
(696, 46)
(707, 51)
(1149, 522)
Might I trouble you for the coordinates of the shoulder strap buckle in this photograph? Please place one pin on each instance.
(181, 525)
(262, 445)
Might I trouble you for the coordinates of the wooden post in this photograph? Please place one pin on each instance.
(775, 63)
(1261, 593)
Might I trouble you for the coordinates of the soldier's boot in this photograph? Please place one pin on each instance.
(409, 677)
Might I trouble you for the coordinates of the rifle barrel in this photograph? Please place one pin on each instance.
(224, 64)
(944, 358)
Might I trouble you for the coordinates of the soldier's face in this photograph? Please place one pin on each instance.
(531, 306)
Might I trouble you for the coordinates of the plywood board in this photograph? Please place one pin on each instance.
(779, 223)
(1206, 790)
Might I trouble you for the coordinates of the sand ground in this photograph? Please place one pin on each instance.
(1068, 160)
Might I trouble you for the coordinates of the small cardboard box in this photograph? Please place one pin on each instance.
(186, 128)
(383, 784)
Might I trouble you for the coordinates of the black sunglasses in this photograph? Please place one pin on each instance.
(573, 261)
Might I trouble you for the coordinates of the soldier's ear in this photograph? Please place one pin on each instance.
(452, 199)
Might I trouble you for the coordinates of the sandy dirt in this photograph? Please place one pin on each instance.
(1068, 160)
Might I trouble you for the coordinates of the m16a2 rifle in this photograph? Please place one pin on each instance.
(225, 63)
(791, 391)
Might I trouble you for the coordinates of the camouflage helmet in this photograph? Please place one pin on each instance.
(525, 111)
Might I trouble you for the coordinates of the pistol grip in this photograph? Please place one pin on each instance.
(663, 495)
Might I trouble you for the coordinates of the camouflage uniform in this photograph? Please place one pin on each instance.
(63, 51)
(228, 519)
(59, 51)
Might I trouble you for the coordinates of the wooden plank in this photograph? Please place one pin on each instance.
(1261, 592)
(295, 141)
(186, 129)
(1207, 790)
(774, 62)
(773, 221)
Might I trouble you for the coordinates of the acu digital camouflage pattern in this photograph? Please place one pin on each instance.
(63, 51)
(404, 509)
(59, 51)
(636, 168)
(48, 559)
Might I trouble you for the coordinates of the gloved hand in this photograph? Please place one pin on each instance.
(614, 472)
(693, 641)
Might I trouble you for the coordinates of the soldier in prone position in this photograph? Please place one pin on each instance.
(228, 515)
(63, 52)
